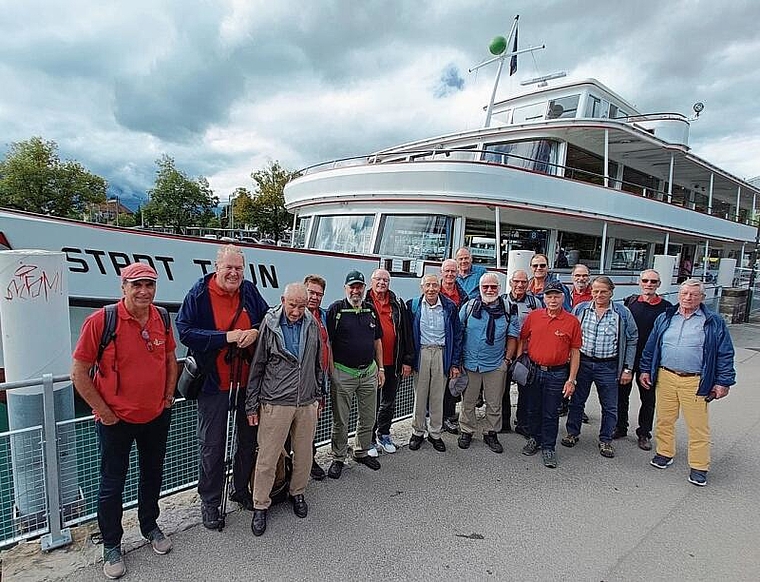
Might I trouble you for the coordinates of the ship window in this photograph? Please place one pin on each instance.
(480, 236)
(562, 107)
(595, 107)
(419, 237)
(516, 239)
(529, 113)
(579, 248)
(344, 234)
(630, 255)
(302, 229)
(539, 155)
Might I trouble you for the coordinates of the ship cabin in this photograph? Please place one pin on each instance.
(573, 171)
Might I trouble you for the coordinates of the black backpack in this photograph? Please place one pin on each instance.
(109, 330)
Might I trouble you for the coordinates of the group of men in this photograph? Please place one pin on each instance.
(460, 338)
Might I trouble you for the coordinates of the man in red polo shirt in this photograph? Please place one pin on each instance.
(553, 338)
(131, 393)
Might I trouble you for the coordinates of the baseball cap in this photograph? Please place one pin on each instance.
(354, 277)
(137, 272)
(553, 287)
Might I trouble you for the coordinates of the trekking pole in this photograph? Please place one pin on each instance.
(231, 433)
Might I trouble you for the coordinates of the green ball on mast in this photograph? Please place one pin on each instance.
(498, 45)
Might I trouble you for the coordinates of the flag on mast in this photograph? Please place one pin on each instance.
(513, 60)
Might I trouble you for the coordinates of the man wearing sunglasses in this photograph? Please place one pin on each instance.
(131, 392)
(645, 308)
(539, 265)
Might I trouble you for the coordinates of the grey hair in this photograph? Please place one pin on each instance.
(229, 250)
(294, 289)
(693, 283)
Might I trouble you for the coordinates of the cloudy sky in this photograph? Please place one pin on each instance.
(226, 86)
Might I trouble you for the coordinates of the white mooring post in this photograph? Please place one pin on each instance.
(36, 340)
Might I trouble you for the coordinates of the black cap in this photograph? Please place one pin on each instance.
(554, 287)
(354, 277)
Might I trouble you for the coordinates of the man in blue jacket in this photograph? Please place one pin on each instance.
(217, 322)
(437, 338)
(689, 360)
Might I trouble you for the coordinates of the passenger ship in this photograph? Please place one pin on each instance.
(571, 170)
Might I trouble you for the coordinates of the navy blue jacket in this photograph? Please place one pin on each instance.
(197, 330)
(717, 352)
(452, 353)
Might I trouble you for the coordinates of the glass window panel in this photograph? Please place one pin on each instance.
(515, 238)
(347, 234)
(480, 236)
(539, 155)
(302, 228)
(630, 255)
(580, 248)
(529, 113)
(418, 237)
(562, 107)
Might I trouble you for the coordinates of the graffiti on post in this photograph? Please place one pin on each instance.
(32, 282)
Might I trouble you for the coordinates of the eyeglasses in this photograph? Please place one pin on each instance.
(650, 280)
(146, 336)
(484, 287)
(538, 266)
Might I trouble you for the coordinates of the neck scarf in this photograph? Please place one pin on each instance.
(494, 310)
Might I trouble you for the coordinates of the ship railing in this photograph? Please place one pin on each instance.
(721, 209)
(59, 485)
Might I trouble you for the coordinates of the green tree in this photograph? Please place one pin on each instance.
(267, 209)
(239, 208)
(177, 200)
(33, 178)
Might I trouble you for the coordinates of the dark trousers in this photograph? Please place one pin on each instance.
(604, 375)
(115, 443)
(646, 412)
(386, 403)
(506, 401)
(544, 397)
(521, 414)
(212, 437)
(449, 405)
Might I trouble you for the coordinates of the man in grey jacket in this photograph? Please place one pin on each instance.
(283, 398)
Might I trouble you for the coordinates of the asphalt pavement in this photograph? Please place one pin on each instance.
(476, 515)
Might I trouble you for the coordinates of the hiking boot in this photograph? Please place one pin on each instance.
(550, 458)
(336, 468)
(368, 461)
(438, 444)
(317, 472)
(531, 447)
(386, 443)
(415, 441)
(645, 444)
(464, 440)
(159, 542)
(113, 563)
(210, 515)
(698, 477)
(661, 461)
(450, 426)
(570, 440)
(606, 450)
(492, 441)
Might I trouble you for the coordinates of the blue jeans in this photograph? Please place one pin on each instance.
(605, 376)
(115, 443)
(544, 397)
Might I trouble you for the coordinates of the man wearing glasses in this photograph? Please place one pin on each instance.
(490, 340)
(539, 264)
(645, 308)
(131, 391)
(519, 304)
(581, 290)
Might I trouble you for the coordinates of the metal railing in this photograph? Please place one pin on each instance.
(52, 444)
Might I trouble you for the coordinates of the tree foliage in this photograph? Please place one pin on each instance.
(266, 210)
(177, 200)
(33, 178)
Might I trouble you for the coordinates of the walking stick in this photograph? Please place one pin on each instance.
(236, 367)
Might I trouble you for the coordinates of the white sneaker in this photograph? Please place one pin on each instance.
(372, 451)
(387, 444)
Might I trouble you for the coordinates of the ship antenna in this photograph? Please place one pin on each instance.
(498, 47)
